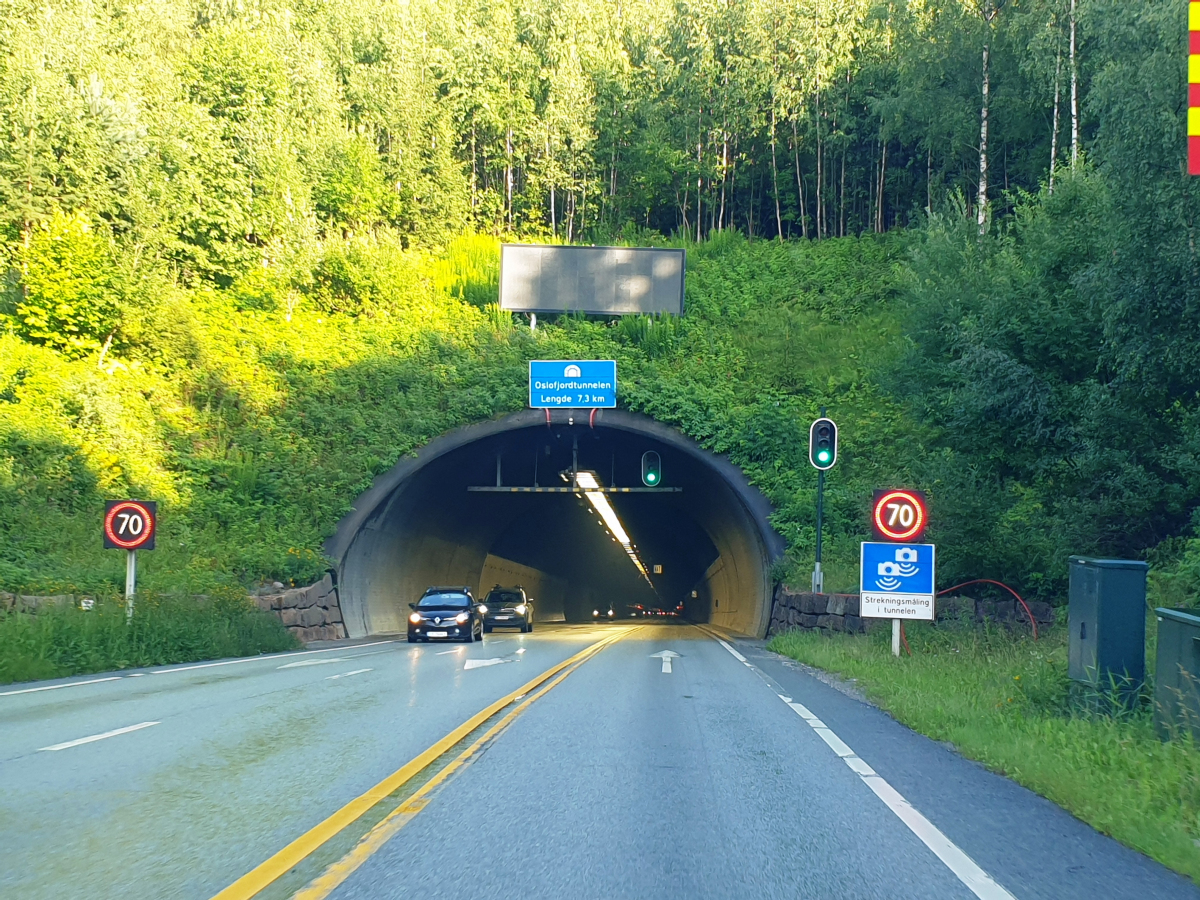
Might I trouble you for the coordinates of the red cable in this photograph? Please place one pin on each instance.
(1032, 623)
(905, 639)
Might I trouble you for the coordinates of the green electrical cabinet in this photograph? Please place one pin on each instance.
(1177, 672)
(1107, 621)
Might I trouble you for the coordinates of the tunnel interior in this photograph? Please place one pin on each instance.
(460, 514)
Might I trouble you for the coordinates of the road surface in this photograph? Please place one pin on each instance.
(668, 762)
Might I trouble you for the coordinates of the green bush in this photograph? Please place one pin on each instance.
(57, 641)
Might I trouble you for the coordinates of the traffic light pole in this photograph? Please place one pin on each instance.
(818, 577)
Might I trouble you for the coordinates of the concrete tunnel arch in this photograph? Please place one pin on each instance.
(418, 525)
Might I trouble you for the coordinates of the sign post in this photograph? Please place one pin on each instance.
(130, 525)
(896, 582)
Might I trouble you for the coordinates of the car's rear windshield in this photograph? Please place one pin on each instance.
(503, 597)
(448, 599)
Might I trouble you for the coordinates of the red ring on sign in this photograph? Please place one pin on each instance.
(918, 524)
(143, 538)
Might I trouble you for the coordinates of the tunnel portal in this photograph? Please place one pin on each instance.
(437, 518)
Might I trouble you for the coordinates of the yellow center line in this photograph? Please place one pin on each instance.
(338, 872)
(312, 840)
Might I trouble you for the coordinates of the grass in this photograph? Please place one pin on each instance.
(68, 640)
(1003, 700)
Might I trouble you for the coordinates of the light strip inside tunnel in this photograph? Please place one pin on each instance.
(612, 522)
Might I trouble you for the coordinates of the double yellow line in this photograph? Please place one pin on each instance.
(266, 873)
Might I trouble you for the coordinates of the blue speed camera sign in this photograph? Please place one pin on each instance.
(896, 581)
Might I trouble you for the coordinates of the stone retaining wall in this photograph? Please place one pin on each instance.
(310, 613)
(839, 612)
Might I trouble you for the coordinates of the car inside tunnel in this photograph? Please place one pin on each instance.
(557, 504)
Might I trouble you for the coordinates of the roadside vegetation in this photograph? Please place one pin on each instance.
(66, 640)
(1002, 699)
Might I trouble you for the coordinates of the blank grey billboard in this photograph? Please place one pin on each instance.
(600, 280)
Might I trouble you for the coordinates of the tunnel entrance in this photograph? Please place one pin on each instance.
(471, 508)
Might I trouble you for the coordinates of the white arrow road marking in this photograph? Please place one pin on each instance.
(480, 663)
(98, 737)
(312, 662)
(348, 674)
(666, 656)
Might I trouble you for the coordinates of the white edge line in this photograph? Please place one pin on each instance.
(964, 868)
(98, 737)
(55, 687)
(729, 647)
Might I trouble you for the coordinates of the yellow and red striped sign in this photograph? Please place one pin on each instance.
(1193, 120)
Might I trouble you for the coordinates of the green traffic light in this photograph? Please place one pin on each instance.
(650, 476)
(823, 455)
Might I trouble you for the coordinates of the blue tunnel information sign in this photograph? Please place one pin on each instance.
(572, 384)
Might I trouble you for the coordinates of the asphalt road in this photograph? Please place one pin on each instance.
(724, 777)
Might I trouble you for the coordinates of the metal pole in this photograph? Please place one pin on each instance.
(895, 637)
(130, 581)
(818, 579)
(575, 462)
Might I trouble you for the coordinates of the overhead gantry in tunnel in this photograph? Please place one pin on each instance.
(472, 508)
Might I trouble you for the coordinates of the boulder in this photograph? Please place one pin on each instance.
(1043, 613)
(826, 621)
(808, 621)
(852, 604)
(837, 623)
(334, 614)
(854, 624)
(836, 605)
(312, 616)
(291, 617)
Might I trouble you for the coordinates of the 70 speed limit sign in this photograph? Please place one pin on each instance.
(130, 524)
(899, 515)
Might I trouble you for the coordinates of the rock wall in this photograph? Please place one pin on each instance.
(310, 613)
(839, 612)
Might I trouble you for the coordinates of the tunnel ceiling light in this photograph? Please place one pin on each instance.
(591, 490)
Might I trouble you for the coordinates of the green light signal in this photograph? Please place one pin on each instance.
(822, 443)
(651, 468)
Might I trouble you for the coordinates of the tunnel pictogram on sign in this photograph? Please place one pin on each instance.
(130, 524)
(899, 515)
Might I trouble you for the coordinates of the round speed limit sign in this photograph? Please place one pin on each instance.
(130, 524)
(899, 515)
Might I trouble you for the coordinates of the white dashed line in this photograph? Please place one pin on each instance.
(965, 869)
(98, 737)
(348, 674)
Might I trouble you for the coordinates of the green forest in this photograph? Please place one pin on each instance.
(250, 252)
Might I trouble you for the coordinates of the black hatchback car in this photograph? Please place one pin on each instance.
(446, 613)
(508, 608)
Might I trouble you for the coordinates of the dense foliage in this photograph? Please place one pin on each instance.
(251, 259)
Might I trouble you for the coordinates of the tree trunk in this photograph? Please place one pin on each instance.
(1074, 93)
(1054, 120)
(929, 180)
(820, 174)
(775, 176)
(799, 180)
(982, 201)
(880, 192)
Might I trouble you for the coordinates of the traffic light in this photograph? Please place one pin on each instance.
(651, 469)
(822, 444)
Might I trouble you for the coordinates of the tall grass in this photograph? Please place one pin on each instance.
(1004, 700)
(69, 640)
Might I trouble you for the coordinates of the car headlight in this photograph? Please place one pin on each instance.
(595, 612)
(415, 618)
(610, 612)
(519, 610)
(482, 610)
(461, 618)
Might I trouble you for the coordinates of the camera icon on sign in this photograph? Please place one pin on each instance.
(906, 554)
(889, 568)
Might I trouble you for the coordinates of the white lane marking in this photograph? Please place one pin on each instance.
(522, 650)
(480, 663)
(666, 656)
(313, 662)
(444, 652)
(98, 737)
(246, 659)
(729, 647)
(348, 674)
(964, 868)
(55, 687)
